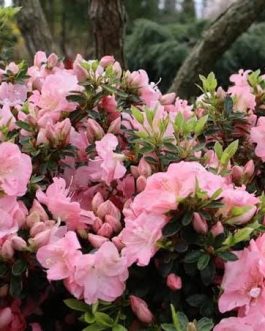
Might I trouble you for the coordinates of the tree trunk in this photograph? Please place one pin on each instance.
(170, 6)
(34, 27)
(215, 41)
(188, 8)
(108, 19)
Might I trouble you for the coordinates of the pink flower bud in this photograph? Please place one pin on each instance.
(36, 228)
(105, 230)
(97, 224)
(94, 130)
(199, 223)
(97, 201)
(115, 126)
(168, 98)
(134, 171)
(41, 238)
(106, 61)
(80, 72)
(140, 183)
(18, 243)
(144, 168)
(117, 242)
(140, 309)
(217, 229)
(96, 240)
(35, 327)
(114, 222)
(40, 58)
(174, 282)
(249, 168)
(37, 207)
(108, 208)
(237, 173)
(5, 318)
(52, 60)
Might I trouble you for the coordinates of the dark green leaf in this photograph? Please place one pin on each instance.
(203, 261)
(192, 256)
(228, 256)
(76, 305)
(19, 267)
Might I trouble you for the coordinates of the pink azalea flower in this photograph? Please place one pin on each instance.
(15, 169)
(233, 200)
(12, 95)
(243, 281)
(102, 274)
(107, 166)
(244, 98)
(59, 257)
(257, 135)
(140, 237)
(59, 203)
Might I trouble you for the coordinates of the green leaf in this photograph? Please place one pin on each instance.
(180, 320)
(104, 319)
(118, 327)
(187, 218)
(232, 148)
(171, 228)
(77, 305)
(89, 318)
(3, 269)
(203, 261)
(218, 150)
(150, 114)
(192, 256)
(200, 125)
(137, 114)
(19, 267)
(205, 324)
(95, 327)
(228, 256)
(168, 327)
(228, 105)
(24, 125)
(15, 286)
(196, 300)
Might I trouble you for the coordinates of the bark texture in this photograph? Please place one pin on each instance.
(34, 27)
(108, 18)
(214, 42)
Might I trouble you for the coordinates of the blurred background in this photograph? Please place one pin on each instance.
(158, 34)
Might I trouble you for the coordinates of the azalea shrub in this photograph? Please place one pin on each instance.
(125, 209)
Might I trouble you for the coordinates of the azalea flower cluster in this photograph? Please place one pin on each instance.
(123, 208)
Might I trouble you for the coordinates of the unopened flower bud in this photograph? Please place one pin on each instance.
(96, 240)
(199, 223)
(140, 184)
(105, 230)
(97, 201)
(144, 168)
(217, 229)
(174, 282)
(114, 222)
(168, 98)
(140, 309)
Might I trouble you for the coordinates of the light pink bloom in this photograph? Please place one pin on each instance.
(140, 238)
(15, 169)
(242, 92)
(233, 200)
(12, 95)
(243, 281)
(102, 274)
(60, 204)
(107, 166)
(257, 135)
(59, 257)
(255, 321)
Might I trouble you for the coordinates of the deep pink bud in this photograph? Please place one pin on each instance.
(140, 183)
(217, 229)
(7, 250)
(174, 282)
(105, 230)
(37, 207)
(134, 171)
(96, 240)
(140, 309)
(237, 173)
(117, 242)
(18, 243)
(5, 318)
(199, 223)
(97, 224)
